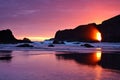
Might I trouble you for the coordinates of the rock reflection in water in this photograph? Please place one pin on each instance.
(5, 56)
(83, 58)
(110, 60)
(106, 60)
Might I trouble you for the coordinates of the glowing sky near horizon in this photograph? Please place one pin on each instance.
(42, 18)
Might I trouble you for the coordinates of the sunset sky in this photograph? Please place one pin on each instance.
(37, 19)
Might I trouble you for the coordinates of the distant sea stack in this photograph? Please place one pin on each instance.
(6, 36)
(109, 30)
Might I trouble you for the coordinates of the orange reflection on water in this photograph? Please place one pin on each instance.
(95, 57)
(98, 55)
(98, 71)
(84, 58)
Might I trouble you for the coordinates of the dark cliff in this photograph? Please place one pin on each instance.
(6, 36)
(80, 33)
(109, 30)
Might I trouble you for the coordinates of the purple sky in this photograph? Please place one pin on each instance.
(42, 18)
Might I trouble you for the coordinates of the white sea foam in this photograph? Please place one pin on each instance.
(68, 46)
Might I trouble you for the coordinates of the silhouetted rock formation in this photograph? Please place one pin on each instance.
(80, 33)
(26, 40)
(109, 30)
(87, 45)
(6, 36)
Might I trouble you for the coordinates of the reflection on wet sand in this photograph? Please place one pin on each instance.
(98, 55)
(110, 60)
(105, 60)
(83, 58)
(55, 66)
(5, 56)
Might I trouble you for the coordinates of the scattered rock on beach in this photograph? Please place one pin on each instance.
(51, 45)
(58, 42)
(87, 45)
(25, 45)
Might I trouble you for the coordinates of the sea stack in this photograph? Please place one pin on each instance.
(6, 36)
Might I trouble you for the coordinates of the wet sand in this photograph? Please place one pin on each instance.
(53, 65)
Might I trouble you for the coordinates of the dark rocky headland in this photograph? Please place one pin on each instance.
(109, 29)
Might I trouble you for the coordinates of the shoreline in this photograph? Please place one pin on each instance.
(67, 47)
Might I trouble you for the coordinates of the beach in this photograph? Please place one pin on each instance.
(47, 63)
